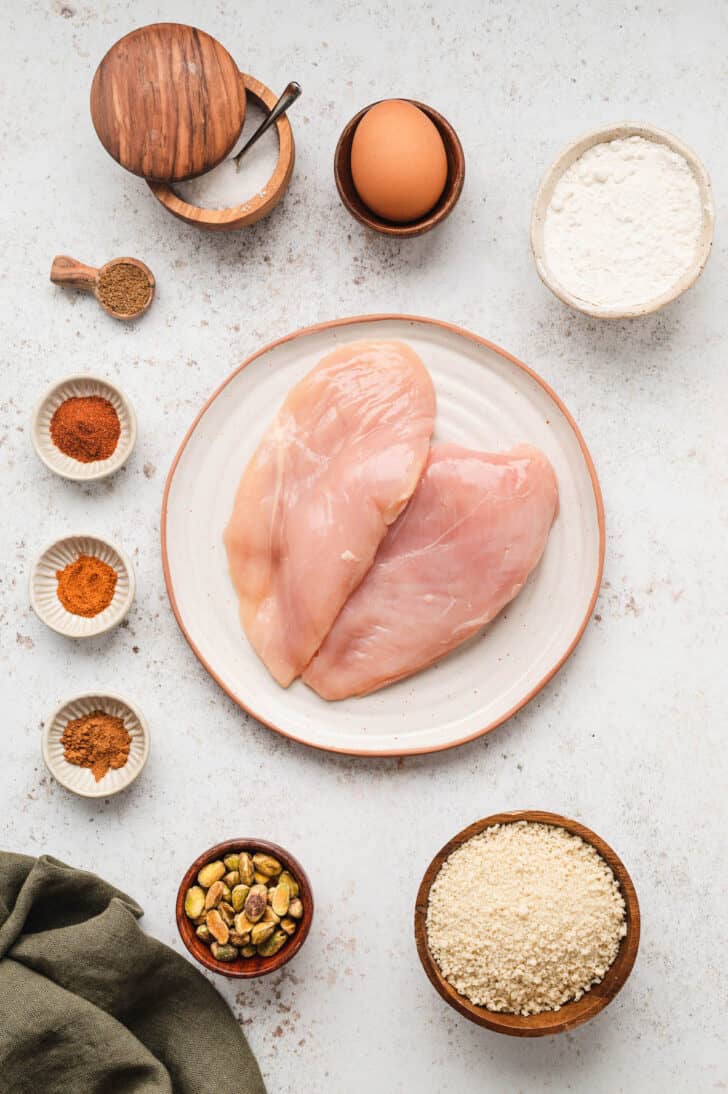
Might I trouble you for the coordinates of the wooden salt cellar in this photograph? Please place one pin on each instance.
(259, 204)
(168, 102)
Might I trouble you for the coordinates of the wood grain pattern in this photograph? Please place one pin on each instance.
(69, 271)
(447, 201)
(252, 967)
(167, 102)
(571, 1014)
(260, 204)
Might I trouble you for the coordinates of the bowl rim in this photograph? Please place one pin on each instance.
(572, 152)
(445, 203)
(57, 773)
(115, 461)
(241, 969)
(248, 212)
(570, 1015)
(122, 610)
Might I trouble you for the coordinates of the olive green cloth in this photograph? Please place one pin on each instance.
(89, 1004)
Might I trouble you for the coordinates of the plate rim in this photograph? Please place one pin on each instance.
(453, 328)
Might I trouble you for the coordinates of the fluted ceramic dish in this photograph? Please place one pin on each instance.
(44, 586)
(543, 199)
(80, 780)
(66, 466)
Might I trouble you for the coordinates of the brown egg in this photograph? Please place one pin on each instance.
(398, 161)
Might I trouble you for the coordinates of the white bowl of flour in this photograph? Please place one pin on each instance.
(623, 222)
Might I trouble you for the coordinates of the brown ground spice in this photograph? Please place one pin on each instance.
(86, 586)
(123, 288)
(86, 427)
(98, 740)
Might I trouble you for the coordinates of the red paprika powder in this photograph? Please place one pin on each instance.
(87, 428)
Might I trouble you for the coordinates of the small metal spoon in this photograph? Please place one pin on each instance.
(289, 96)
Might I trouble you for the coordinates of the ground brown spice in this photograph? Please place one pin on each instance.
(86, 586)
(98, 740)
(86, 427)
(124, 288)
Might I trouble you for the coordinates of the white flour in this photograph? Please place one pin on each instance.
(623, 223)
(225, 187)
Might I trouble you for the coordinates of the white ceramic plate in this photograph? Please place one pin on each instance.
(486, 399)
(44, 586)
(80, 779)
(78, 387)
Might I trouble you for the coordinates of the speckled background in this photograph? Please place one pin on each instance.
(627, 738)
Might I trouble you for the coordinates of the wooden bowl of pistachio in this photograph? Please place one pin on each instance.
(244, 908)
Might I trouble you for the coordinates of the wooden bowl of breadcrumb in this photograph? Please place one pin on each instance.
(571, 1013)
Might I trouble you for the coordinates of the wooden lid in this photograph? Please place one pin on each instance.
(168, 102)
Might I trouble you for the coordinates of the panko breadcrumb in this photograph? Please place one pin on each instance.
(525, 917)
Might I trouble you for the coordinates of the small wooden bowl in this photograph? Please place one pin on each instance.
(569, 1015)
(447, 201)
(543, 199)
(258, 206)
(251, 967)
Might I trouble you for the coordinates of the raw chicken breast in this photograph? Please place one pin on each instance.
(335, 469)
(474, 530)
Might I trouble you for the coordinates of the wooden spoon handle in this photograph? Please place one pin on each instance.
(68, 271)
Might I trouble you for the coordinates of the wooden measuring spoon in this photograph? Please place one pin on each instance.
(69, 271)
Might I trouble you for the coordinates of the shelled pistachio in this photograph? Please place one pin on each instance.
(194, 902)
(223, 952)
(276, 942)
(211, 873)
(239, 896)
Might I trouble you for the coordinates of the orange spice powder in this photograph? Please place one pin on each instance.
(86, 586)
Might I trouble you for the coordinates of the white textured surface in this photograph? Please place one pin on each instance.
(484, 401)
(629, 738)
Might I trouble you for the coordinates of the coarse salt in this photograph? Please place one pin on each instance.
(623, 223)
(525, 917)
(226, 186)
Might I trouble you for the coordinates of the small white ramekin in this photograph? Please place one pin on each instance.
(44, 586)
(545, 193)
(66, 466)
(80, 780)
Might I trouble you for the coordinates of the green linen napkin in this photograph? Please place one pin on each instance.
(89, 1004)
